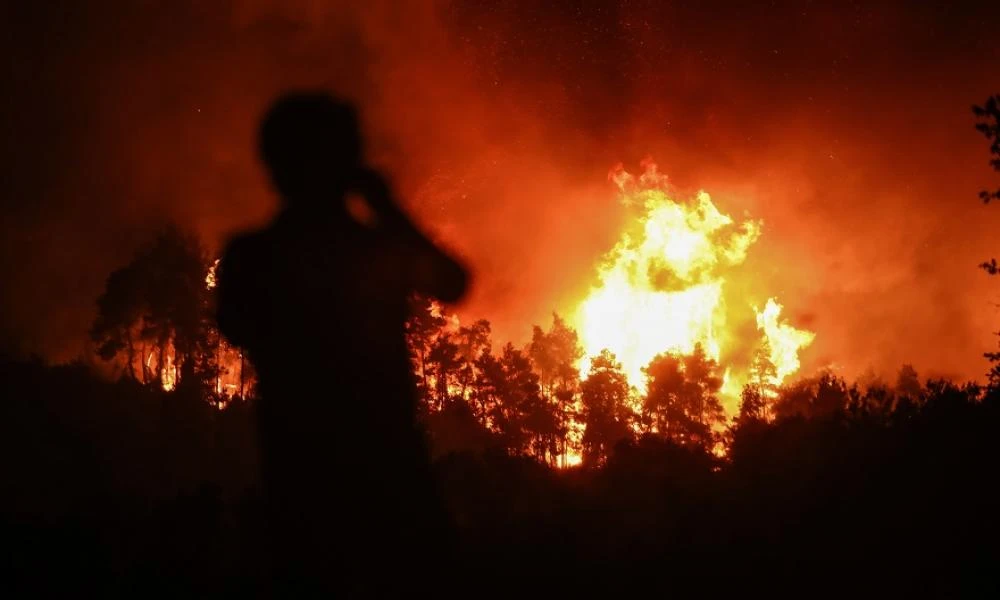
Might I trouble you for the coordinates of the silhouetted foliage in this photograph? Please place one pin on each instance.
(760, 391)
(473, 341)
(155, 321)
(454, 428)
(872, 400)
(423, 328)
(158, 307)
(908, 382)
(554, 355)
(994, 372)
(847, 475)
(753, 405)
(608, 419)
(121, 487)
(124, 486)
(510, 396)
(821, 397)
(988, 123)
(682, 402)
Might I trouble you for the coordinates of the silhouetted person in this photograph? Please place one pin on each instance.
(318, 300)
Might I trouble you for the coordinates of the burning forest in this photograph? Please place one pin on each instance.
(658, 299)
(460, 298)
(657, 313)
(652, 349)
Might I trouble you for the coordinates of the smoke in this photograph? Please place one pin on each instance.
(847, 132)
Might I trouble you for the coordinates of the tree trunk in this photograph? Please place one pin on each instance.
(159, 366)
(423, 371)
(144, 364)
(130, 347)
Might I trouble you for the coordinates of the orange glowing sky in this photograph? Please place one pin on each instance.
(845, 128)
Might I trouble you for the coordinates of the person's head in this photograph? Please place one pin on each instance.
(311, 145)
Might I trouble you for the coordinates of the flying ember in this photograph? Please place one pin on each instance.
(660, 289)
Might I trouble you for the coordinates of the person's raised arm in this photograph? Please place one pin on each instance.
(433, 272)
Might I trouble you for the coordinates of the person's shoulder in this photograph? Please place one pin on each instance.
(244, 254)
(247, 243)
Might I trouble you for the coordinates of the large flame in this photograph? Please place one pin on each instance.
(783, 341)
(162, 364)
(660, 288)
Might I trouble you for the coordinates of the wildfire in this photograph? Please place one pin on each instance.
(167, 372)
(784, 341)
(210, 276)
(660, 288)
(163, 364)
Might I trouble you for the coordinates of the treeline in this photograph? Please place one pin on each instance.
(126, 487)
(533, 401)
(144, 483)
(121, 485)
(155, 324)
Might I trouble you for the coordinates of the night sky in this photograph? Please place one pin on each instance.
(846, 127)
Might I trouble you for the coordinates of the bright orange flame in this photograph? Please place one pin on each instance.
(167, 371)
(230, 381)
(660, 289)
(210, 276)
(784, 341)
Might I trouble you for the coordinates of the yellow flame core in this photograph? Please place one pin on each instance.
(167, 371)
(210, 275)
(660, 288)
(784, 341)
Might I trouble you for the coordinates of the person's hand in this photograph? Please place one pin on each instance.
(375, 189)
(373, 186)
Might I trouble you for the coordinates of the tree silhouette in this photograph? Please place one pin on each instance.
(554, 354)
(473, 341)
(682, 400)
(422, 329)
(988, 123)
(455, 428)
(811, 466)
(817, 397)
(604, 395)
(753, 405)
(118, 326)
(908, 382)
(760, 390)
(442, 364)
(158, 306)
(871, 399)
(509, 395)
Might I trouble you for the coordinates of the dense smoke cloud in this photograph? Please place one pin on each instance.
(847, 131)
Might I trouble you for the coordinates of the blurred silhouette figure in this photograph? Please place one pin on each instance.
(318, 300)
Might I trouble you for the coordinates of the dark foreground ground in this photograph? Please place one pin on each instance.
(120, 489)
